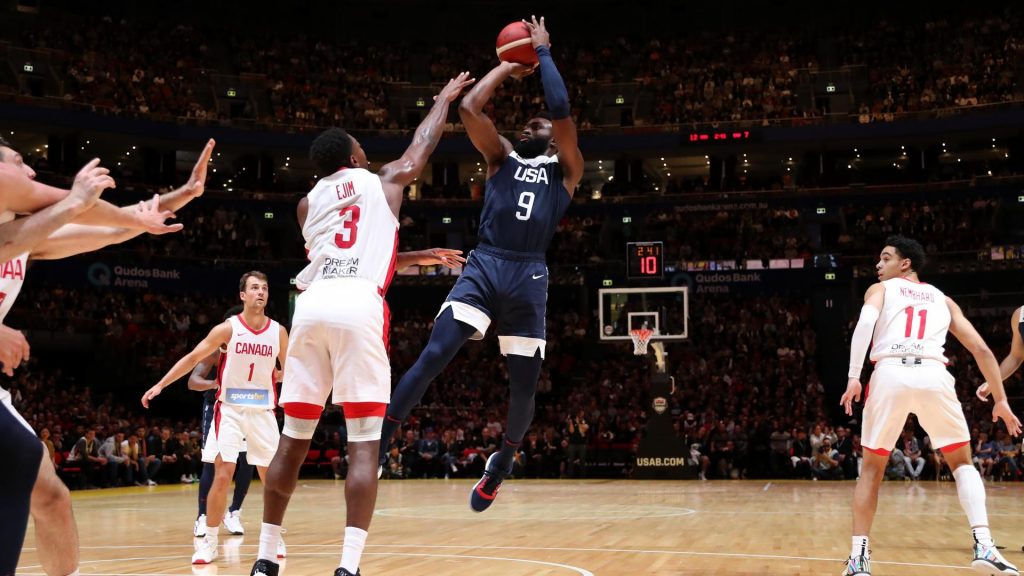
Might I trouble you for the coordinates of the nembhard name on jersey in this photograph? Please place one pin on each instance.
(915, 295)
(253, 349)
(340, 268)
(13, 270)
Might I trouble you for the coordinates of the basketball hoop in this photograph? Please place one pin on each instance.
(641, 337)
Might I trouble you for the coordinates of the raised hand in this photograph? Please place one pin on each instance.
(538, 32)
(852, 394)
(455, 86)
(153, 219)
(520, 71)
(90, 182)
(197, 182)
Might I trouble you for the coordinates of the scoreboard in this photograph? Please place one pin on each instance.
(645, 260)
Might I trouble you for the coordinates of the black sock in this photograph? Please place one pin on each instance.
(523, 371)
(243, 477)
(205, 482)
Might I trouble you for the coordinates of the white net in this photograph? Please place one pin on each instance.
(641, 337)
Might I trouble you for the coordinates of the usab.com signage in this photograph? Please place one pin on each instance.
(131, 277)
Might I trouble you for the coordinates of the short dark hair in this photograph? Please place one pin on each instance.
(235, 310)
(909, 249)
(250, 274)
(331, 151)
(4, 142)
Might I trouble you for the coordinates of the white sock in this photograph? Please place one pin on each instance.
(212, 532)
(983, 535)
(859, 547)
(270, 535)
(352, 548)
(75, 573)
(971, 490)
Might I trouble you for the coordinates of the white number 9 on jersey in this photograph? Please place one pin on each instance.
(525, 202)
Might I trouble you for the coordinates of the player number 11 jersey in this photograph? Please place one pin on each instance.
(914, 322)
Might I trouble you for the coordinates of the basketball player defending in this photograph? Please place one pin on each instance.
(908, 321)
(244, 411)
(48, 500)
(529, 187)
(340, 327)
(210, 387)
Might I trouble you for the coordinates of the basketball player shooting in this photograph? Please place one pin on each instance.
(340, 327)
(529, 187)
(907, 321)
(244, 412)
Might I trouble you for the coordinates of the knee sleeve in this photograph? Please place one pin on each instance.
(365, 429)
(299, 428)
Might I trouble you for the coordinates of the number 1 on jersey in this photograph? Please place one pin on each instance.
(923, 315)
(251, 367)
(525, 202)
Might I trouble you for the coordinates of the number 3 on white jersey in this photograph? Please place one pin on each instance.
(525, 202)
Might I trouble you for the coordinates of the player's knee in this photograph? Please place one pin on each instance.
(298, 427)
(364, 420)
(49, 493)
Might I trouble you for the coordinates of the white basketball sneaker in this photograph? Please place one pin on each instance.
(206, 551)
(199, 528)
(988, 561)
(233, 522)
(282, 551)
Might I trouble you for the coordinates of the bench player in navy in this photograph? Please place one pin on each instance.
(529, 187)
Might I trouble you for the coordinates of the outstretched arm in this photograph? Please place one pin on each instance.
(400, 173)
(429, 257)
(965, 332)
(74, 239)
(494, 147)
(217, 337)
(25, 234)
(557, 97)
(874, 299)
(1013, 360)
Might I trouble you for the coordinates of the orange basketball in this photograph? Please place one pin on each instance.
(514, 45)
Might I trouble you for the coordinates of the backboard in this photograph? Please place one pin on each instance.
(664, 310)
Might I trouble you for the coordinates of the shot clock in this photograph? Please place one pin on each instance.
(645, 260)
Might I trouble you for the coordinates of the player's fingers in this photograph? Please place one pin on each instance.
(8, 370)
(92, 164)
(173, 228)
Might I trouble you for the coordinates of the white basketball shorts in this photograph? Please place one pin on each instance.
(899, 387)
(338, 345)
(240, 429)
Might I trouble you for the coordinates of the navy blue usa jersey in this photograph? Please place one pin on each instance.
(523, 203)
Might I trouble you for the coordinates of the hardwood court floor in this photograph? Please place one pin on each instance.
(557, 528)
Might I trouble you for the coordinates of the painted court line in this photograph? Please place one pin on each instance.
(519, 548)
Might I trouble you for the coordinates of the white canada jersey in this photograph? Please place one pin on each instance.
(246, 376)
(12, 275)
(914, 322)
(350, 230)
